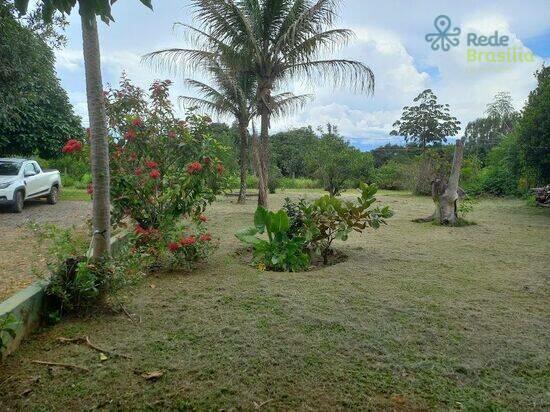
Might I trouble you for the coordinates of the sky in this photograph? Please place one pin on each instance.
(389, 38)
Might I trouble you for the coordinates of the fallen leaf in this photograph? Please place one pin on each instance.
(152, 286)
(102, 357)
(152, 376)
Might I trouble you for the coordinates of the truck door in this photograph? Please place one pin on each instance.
(31, 179)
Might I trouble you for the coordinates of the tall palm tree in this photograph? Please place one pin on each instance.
(278, 41)
(234, 93)
(99, 144)
(234, 86)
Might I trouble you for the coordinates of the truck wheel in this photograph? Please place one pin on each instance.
(18, 201)
(53, 196)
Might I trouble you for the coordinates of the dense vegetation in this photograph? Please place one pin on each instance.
(35, 114)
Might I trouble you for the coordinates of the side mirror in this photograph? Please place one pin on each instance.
(30, 174)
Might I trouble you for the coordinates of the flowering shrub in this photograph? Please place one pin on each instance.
(72, 146)
(163, 169)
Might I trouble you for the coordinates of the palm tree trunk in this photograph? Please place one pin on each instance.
(99, 145)
(244, 161)
(263, 172)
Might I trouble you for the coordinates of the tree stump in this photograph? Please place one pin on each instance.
(446, 194)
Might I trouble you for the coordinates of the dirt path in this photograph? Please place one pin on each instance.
(20, 254)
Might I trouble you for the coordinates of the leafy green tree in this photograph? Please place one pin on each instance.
(534, 131)
(277, 41)
(35, 114)
(337, 164)
(289, 150)
(99, 143)
(426, 123)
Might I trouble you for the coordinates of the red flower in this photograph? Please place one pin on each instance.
(171, 134)
(206, 160)
(188, 241)
(130, 134)
(203, 218)
(220, 168)
(138, 171)
(133, 156)
(137, 122)
(72, 146)
(172, 246)
(194, 167)
(151, 165)
(90, 189)
(206, 237)
(155, 174)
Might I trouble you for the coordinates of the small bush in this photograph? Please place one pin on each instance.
(392, 176)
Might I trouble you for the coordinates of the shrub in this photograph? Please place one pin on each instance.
(163, 168)
(8, 324)
(280, 251)
(392, 176)
(303, 228)
(329, 218)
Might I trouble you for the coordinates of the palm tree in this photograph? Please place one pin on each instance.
(234, 94)
(99, 144)
(278, 41)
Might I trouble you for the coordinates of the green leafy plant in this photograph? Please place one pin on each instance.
(8, 324)
(280, 251)
(328, 218)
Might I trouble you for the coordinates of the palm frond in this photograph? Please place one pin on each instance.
(339, 72)
(288, 103)
(178, 61)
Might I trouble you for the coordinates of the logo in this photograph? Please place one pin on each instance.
(445, 37)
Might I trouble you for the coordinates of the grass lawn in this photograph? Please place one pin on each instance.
(72, 193)
(418, 317)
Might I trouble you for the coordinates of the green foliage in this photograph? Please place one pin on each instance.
(8, 324)
(426, 123)
(35, 113)
(76, 283)
(161, 167)
(393, 176)
(329, 218)
(279, 252)
(534, 131)
(485, 133)
(337, 164)
(289, 150)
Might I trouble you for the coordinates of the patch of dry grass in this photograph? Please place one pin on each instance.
(419, 316)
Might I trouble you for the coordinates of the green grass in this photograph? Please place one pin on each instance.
(418, 317)
(71, 193)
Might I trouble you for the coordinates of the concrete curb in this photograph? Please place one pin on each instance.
(27, 305)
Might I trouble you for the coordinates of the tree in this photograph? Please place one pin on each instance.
(99, 144)
(337, 164)
(232, 93)
(446, 194)
(485, 133)
(427, 122)
(279, 40)
(289, 150)
(35, 114)
(534, 131)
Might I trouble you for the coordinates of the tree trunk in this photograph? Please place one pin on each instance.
(445, 196)
(99, 144)
(448, 201)
(243, 131)
(263, 172)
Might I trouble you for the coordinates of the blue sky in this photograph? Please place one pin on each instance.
(389, 39)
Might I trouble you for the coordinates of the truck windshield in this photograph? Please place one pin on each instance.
(9, 168)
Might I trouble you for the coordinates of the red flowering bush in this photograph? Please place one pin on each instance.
(162, 168)
(72, 146)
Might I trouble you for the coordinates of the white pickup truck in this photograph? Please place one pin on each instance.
(22, 179)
